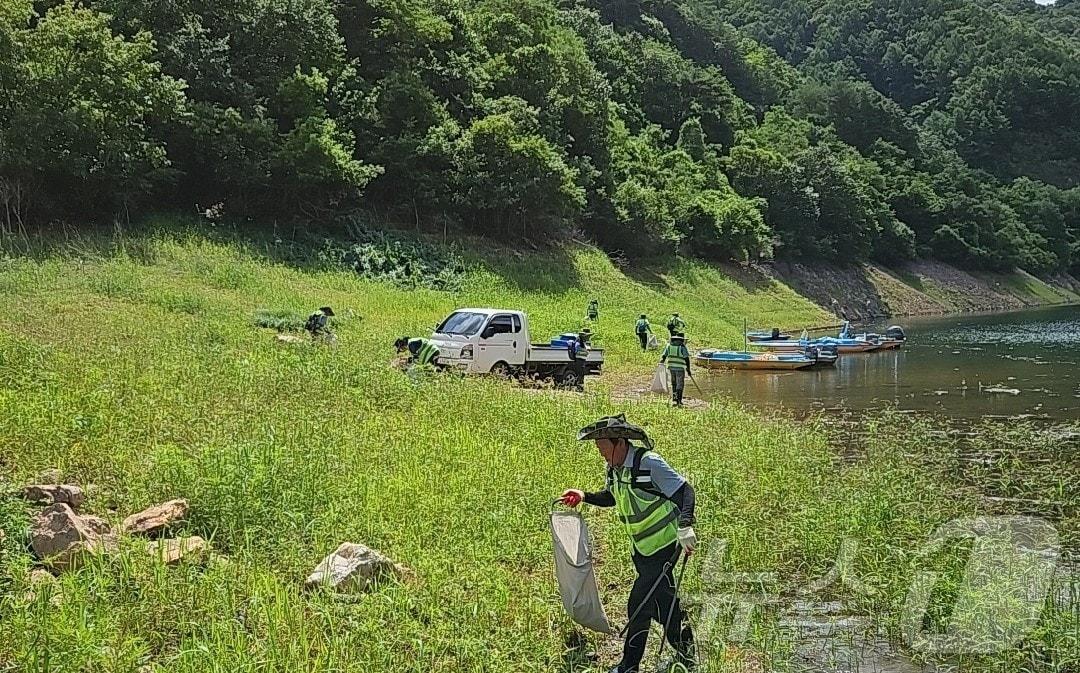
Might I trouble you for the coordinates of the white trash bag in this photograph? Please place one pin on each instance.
(660, 380)
(652, 343)
(574, 570)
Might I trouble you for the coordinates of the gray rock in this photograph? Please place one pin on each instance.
(63, 539)
(353, 566)
(97, 524)
(157, 519)
(192, 549)
(50, 494)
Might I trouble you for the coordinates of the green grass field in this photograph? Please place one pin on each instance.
(135, 365)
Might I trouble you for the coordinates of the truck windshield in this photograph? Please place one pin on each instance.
(462, 323)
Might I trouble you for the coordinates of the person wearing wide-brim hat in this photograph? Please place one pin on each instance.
(318, 323)
(656, 505)
(676, 324)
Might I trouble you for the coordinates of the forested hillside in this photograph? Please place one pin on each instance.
(882, 129)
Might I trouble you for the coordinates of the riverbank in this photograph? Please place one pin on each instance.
(924, 287)
(142, 372)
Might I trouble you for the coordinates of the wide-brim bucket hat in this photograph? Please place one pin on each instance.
(613, 427)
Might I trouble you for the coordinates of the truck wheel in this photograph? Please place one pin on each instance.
(501, 370)
(570, 377)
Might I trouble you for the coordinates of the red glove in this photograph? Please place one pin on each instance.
(572, 497)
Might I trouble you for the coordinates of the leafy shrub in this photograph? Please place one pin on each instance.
(283, 320)
(407, 264)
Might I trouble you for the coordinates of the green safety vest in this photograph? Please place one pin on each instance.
(677, 357)
(642, 326)
(594, 308)
(651, 520)
(427, 353)
(677, 324)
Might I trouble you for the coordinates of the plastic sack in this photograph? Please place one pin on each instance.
(660, 380)
(652, 343)
(574, 571)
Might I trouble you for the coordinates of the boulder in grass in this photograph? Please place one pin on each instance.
(353, 566)
(192, 549)
(157, 519)
(51, 494)
(63, 539)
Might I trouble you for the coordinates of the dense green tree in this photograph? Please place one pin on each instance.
(742, 129)
(80, 105)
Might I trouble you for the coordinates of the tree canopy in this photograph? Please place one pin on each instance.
(744, 129)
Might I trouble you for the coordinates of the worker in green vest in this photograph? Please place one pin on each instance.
(676, 324)
(421, 351)
(656, 506)
(594, 310)
(318, 323)
(643, 330)
(677, 358)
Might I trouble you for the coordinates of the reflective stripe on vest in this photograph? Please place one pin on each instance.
(677, 357)
(650, 519)
(428, 352)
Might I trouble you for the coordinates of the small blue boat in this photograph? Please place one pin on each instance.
(842, 345)
(714, 359)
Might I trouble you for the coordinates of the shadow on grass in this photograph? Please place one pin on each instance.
(549, 271)
(751, 279)
(577, 655)
(524, 266)
(907, 277)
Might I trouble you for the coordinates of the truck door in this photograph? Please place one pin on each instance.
(499, 342)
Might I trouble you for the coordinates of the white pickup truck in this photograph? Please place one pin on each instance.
(489, 340)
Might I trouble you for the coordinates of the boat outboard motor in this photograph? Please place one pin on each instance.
(812, 353)
(776, 333)
(895, 332)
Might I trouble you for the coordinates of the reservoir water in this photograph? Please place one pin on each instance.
(1022, 363)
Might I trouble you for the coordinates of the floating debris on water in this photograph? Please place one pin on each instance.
(999, 391)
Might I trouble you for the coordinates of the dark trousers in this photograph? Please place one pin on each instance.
(643, 337)
(678, 382)
(662, 606)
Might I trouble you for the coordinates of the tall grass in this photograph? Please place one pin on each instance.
(144, 375)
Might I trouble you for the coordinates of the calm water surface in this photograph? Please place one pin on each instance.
(1030, 361)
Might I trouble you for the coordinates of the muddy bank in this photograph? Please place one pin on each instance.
(920, 288)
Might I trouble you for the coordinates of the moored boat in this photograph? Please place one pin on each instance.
(714, 359)
(774, 335)
(848, 345)
(823, 356)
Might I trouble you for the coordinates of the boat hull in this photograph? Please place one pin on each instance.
(797, 347)
(752, 361)
(824, 361)
(755, 337)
